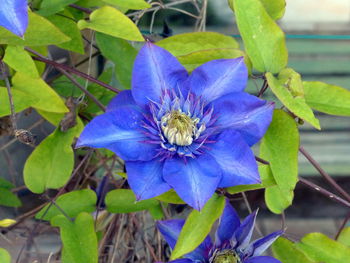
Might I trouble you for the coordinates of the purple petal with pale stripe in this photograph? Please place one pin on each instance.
(244, 233)
(124, 98)
(170, 230)
(14, 16)
(260, 245)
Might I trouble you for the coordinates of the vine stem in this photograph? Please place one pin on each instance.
(342, 226)
(323, 191)
(42, 58)
(325, 175)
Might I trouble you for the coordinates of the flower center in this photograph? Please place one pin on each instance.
(226, 256)
(179, 128)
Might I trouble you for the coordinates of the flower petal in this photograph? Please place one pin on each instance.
(170, 230)
(14, 16)
(145, 178)
(200, 254)
(194, 179)
(244, 233)
(235, 158)
(218, 78)
(182, 260)
(229, 222)
(260, 245)
(155, 69)
(119, 131)
(262, 260)
(124, 98)
(245, 113)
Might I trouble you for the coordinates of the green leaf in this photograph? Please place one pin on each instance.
(79, 238)
(51, 163)
(288, 88)
(156, 212)
(264, 41)
(275, 8)
(48, 100)
(321, 248)
(112, 22)
(195, 59)
(198, 226)
(124, 201)
(7, 198)
(21, 101)
(70, 28)
(277, 199)
(266, 178)
(170, 197)
(130, 4)
(40, 32)
(6, 184)
(4, 256)
(20, 60)
(41, 66)
(344, 237)
(184, 44)
(72, 203)
(286, 252)
(50, 7)
(121, 53)
(327, 98)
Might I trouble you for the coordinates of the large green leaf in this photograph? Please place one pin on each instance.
(4, 256)
(121, 53)
(198, 226)
(321, 248)
(288, 88)
(40, 32)
(264, 41)
(112, 22)
(65, 23)
(184, 44)
(277, 199)
(79, 238)
(129, 4)
(72, 203)
(7, 198)
(21, 101)
(50, 7)
(327, 98)
(170, 197)
(48, 99)
(344, 236)
(124, 201)
(51, 163)
(286, 252)
(19, 59)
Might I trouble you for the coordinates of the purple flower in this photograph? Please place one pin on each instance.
(187, 132)
(232, 241)
(14, 16)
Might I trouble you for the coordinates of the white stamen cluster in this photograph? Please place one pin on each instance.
(225, 256)
(180, 129)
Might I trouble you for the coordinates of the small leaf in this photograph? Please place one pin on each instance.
(4, 256)
(72, 203)
(170, 197)
(40, 32)
(184, 44)
(69, 27)
(344, 237)
(124, 201)
(275, 8)
(79, 238)
(112, 22)
(288, 88)
(21, 101)
(51, 163)
(130, 4)
(321, 248)
(156, 212)
(20, 60)
(277, 200)
(121, 53)
(48, 99)
(7, 222)
(7, 198)
(198, 226)
(284, 250)
(263, 40)
(327, 98)
(50, 7)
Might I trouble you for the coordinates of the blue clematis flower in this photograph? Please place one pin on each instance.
(14, 16)
(232, 241)
(187, 132)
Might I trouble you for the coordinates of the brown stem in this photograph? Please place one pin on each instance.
(325, 175)
(325, 192)
(342, 226)
(260, 160)
(264, 88)
(80, 8)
